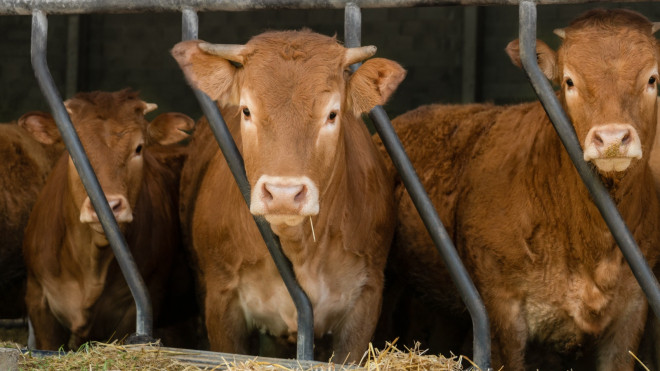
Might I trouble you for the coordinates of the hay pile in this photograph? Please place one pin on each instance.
(100, 356)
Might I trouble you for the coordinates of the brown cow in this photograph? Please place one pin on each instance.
(650, 347)
(24, 167)
(293, 108)
(541, 255)
(75, 286)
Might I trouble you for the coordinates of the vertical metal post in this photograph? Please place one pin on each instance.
(566, 132)
(305, 346)
(352, 29)
(144, 320)
(469, 293)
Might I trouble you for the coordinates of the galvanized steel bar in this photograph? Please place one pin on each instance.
(144, 316)
(442, 241)
(439, 235)
(305, 344)
(25, 7)
(599, 193)
(352, 29)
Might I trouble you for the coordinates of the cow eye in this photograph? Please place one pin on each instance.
(569, 83)
(332, 116)
(246, 112)
(138, 149)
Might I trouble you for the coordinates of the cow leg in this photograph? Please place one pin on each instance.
(623, 335)
(225, 323)
(649, 348)
(508, 330)
(358, 326)
(48, 333)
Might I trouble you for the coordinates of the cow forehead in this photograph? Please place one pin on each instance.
(292, 67)
(623, 54)
(108, 115)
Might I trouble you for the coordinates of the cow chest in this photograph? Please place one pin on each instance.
(332, 284)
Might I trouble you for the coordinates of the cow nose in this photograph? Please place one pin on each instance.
(118, 204)
(612, 147)
(611, 139)
(283, 198)
(284, 195)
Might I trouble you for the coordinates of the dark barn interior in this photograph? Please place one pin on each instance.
(452, 54)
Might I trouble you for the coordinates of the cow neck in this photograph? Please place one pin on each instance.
(86, 247)
(299, 241)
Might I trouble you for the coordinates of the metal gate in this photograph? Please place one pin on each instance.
(189, 8)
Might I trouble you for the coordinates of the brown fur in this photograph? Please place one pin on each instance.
(24, 167)
(650, 346)
(543, 259)
(287, 72)
(75, 286)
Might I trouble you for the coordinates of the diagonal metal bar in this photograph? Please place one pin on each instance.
(599, 194)
(144, 315)
(305, 344)
(442, 241)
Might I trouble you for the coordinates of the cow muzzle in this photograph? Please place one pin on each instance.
(284, 200)
(612, 147)
(118, 204)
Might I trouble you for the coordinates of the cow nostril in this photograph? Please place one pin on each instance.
(626, 138)
(300, 196)
(265, 194)
(116, 205)
(598, 140)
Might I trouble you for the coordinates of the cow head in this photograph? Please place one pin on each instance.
(294, 93)
(115, 136)
(607, 67)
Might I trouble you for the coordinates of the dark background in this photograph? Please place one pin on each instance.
(452, 54)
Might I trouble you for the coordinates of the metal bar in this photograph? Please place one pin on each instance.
(599, 193)
(352, 29)
(144, 320)
(469, 294)
(25, 7)
(441, 239)
(305, 344)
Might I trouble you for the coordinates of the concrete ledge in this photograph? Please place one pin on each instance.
(9, 359)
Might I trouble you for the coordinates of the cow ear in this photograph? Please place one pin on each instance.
(170, 128)
(212, 74)
(546, 57)
(373, 84)
(41, 126)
